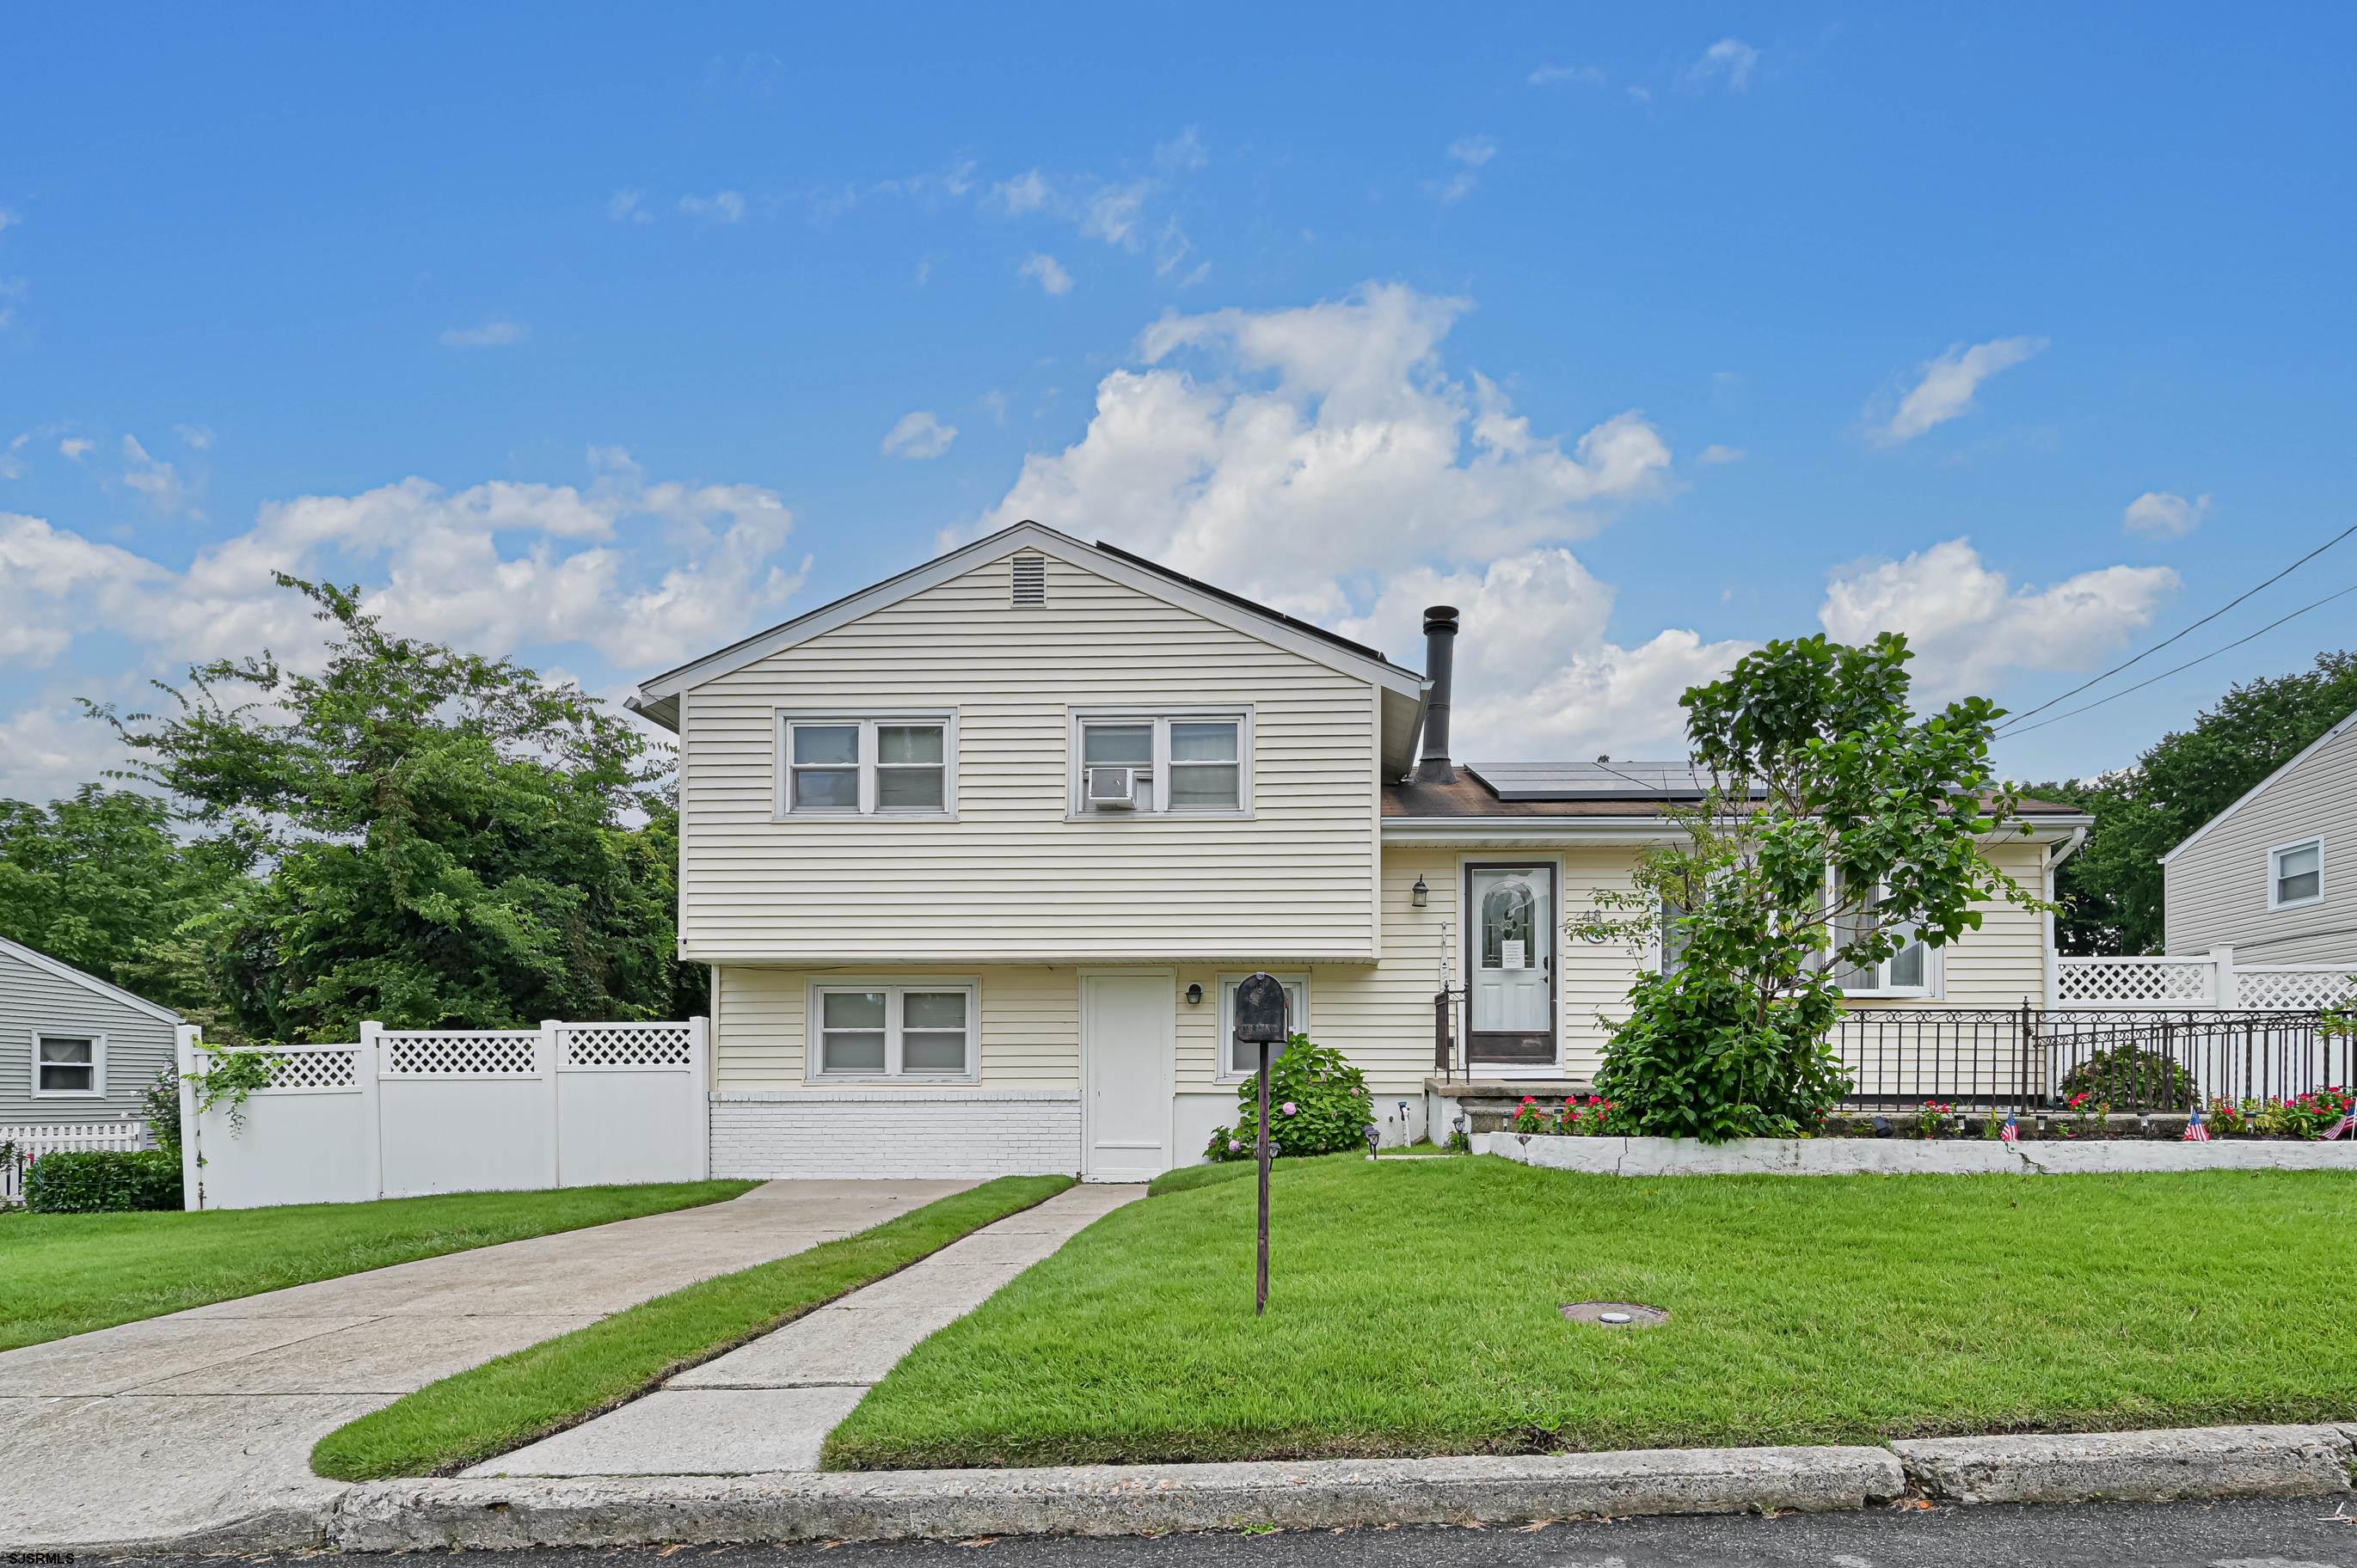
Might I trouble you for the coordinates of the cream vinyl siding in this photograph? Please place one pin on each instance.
(2217, 890)
(1013, 876)
(1029, 1014)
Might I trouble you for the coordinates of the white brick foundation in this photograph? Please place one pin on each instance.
(768, 1134)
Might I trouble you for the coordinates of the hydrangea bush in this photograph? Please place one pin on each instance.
(1318, 1105)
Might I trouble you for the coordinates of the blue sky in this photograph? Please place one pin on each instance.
(1644, 334)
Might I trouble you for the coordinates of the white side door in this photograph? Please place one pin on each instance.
(1128, 1022)
(1512, 910)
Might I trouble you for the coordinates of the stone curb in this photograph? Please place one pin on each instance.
(1141, 1499)
(2133, 1466)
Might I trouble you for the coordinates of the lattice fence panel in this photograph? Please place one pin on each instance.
(2140, 982)
(513, 1054)
(2294, 988)
(336, 1068)
(628, 1045)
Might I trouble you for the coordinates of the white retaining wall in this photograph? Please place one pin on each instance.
(1899, 1156)
(947, 1132)
(402, 1112)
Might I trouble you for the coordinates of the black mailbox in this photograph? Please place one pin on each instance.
(1259, 1011)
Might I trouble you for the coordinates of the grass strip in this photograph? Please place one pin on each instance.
(557, 1383)
(70, 1274)
(1414, 1310)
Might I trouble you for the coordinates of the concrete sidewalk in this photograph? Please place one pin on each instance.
(204, 1419)
(768, 1406)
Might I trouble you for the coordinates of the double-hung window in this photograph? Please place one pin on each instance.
(881, 765)
(69, 1066)
(920, 1030)
(1906, 972)
(2295, 874)
(1243, 1060)
(1176, 764)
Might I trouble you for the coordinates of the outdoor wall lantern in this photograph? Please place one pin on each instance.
(1194, 996)
(1419, 895)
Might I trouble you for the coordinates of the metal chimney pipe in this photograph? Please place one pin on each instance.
(1440, 664)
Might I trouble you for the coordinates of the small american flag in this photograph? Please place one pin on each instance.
(2197, 1131)
(2343, 1127)
(2012, 1131)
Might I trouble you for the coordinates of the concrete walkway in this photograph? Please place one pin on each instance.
(171, 1427)
(768, 1406)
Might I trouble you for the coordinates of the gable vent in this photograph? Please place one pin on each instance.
(1031, 581)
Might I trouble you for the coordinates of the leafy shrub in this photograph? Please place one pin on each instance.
(1699, 1057)
(1318, 1105)
(160, 1106)
(2134, 1079)
(103, 1181)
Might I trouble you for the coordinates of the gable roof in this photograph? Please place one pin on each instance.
(658, 697)
(90, 983)
(2251, 794)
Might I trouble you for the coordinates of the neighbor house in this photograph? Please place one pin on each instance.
(2273, 876)
(978, 855)
(73, 1048)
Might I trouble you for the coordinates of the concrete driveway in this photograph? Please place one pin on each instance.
(168, 1428)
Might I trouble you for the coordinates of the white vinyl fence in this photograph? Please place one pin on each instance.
(402, 1112)
(2203, 980)
(30, 1140)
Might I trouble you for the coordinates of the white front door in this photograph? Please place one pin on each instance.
(1127, 1028)
(1509, 943)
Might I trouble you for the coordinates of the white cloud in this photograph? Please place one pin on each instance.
(2165, 515)
(1113, 214)
(1181, 152)
(1550, 75)
(629, 206)
(1967, 623)
(720, 207)
(1536, 678)
(1325, 445)
(919, 434)
(1471, 152)
(159, 481)
(1729, 60)
(1945, 387)
(197, 436)
(12, 466)
(76, 447)
(1025, 193)
(497, 333)
(46, 753)
(1718, 452)
(1046, 271)
(495, 566)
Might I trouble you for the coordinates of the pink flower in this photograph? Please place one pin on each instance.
(1290, 1108)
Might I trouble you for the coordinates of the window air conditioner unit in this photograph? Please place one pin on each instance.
(1110, 789)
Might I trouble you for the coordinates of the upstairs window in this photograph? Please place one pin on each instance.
(1186, 763)
(889, 764)
(2295, 874)
(69, 1066)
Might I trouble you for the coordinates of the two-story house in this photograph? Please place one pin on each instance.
(978, 855)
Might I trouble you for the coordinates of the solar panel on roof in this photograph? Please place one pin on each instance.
(1592, 781)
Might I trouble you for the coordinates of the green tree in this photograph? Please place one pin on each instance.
(449, 841)
(2110, 893)
(100, 881)
(1839, 829)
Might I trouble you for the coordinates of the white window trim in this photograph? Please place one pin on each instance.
(2275, 875)
(894, 987)
(1935, 971)
(1158, 770)
(1228, 983)
(97, 1089)
(868, 720)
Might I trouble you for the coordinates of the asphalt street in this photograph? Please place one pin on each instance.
(2269, 1534)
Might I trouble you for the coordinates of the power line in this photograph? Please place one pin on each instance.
(2188, 664)
(2015, 719)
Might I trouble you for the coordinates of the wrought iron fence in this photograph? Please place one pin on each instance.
(2030, 1058)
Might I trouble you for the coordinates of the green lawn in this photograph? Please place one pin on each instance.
(68, 1273)
(520, 1398)
(1415, 1311)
